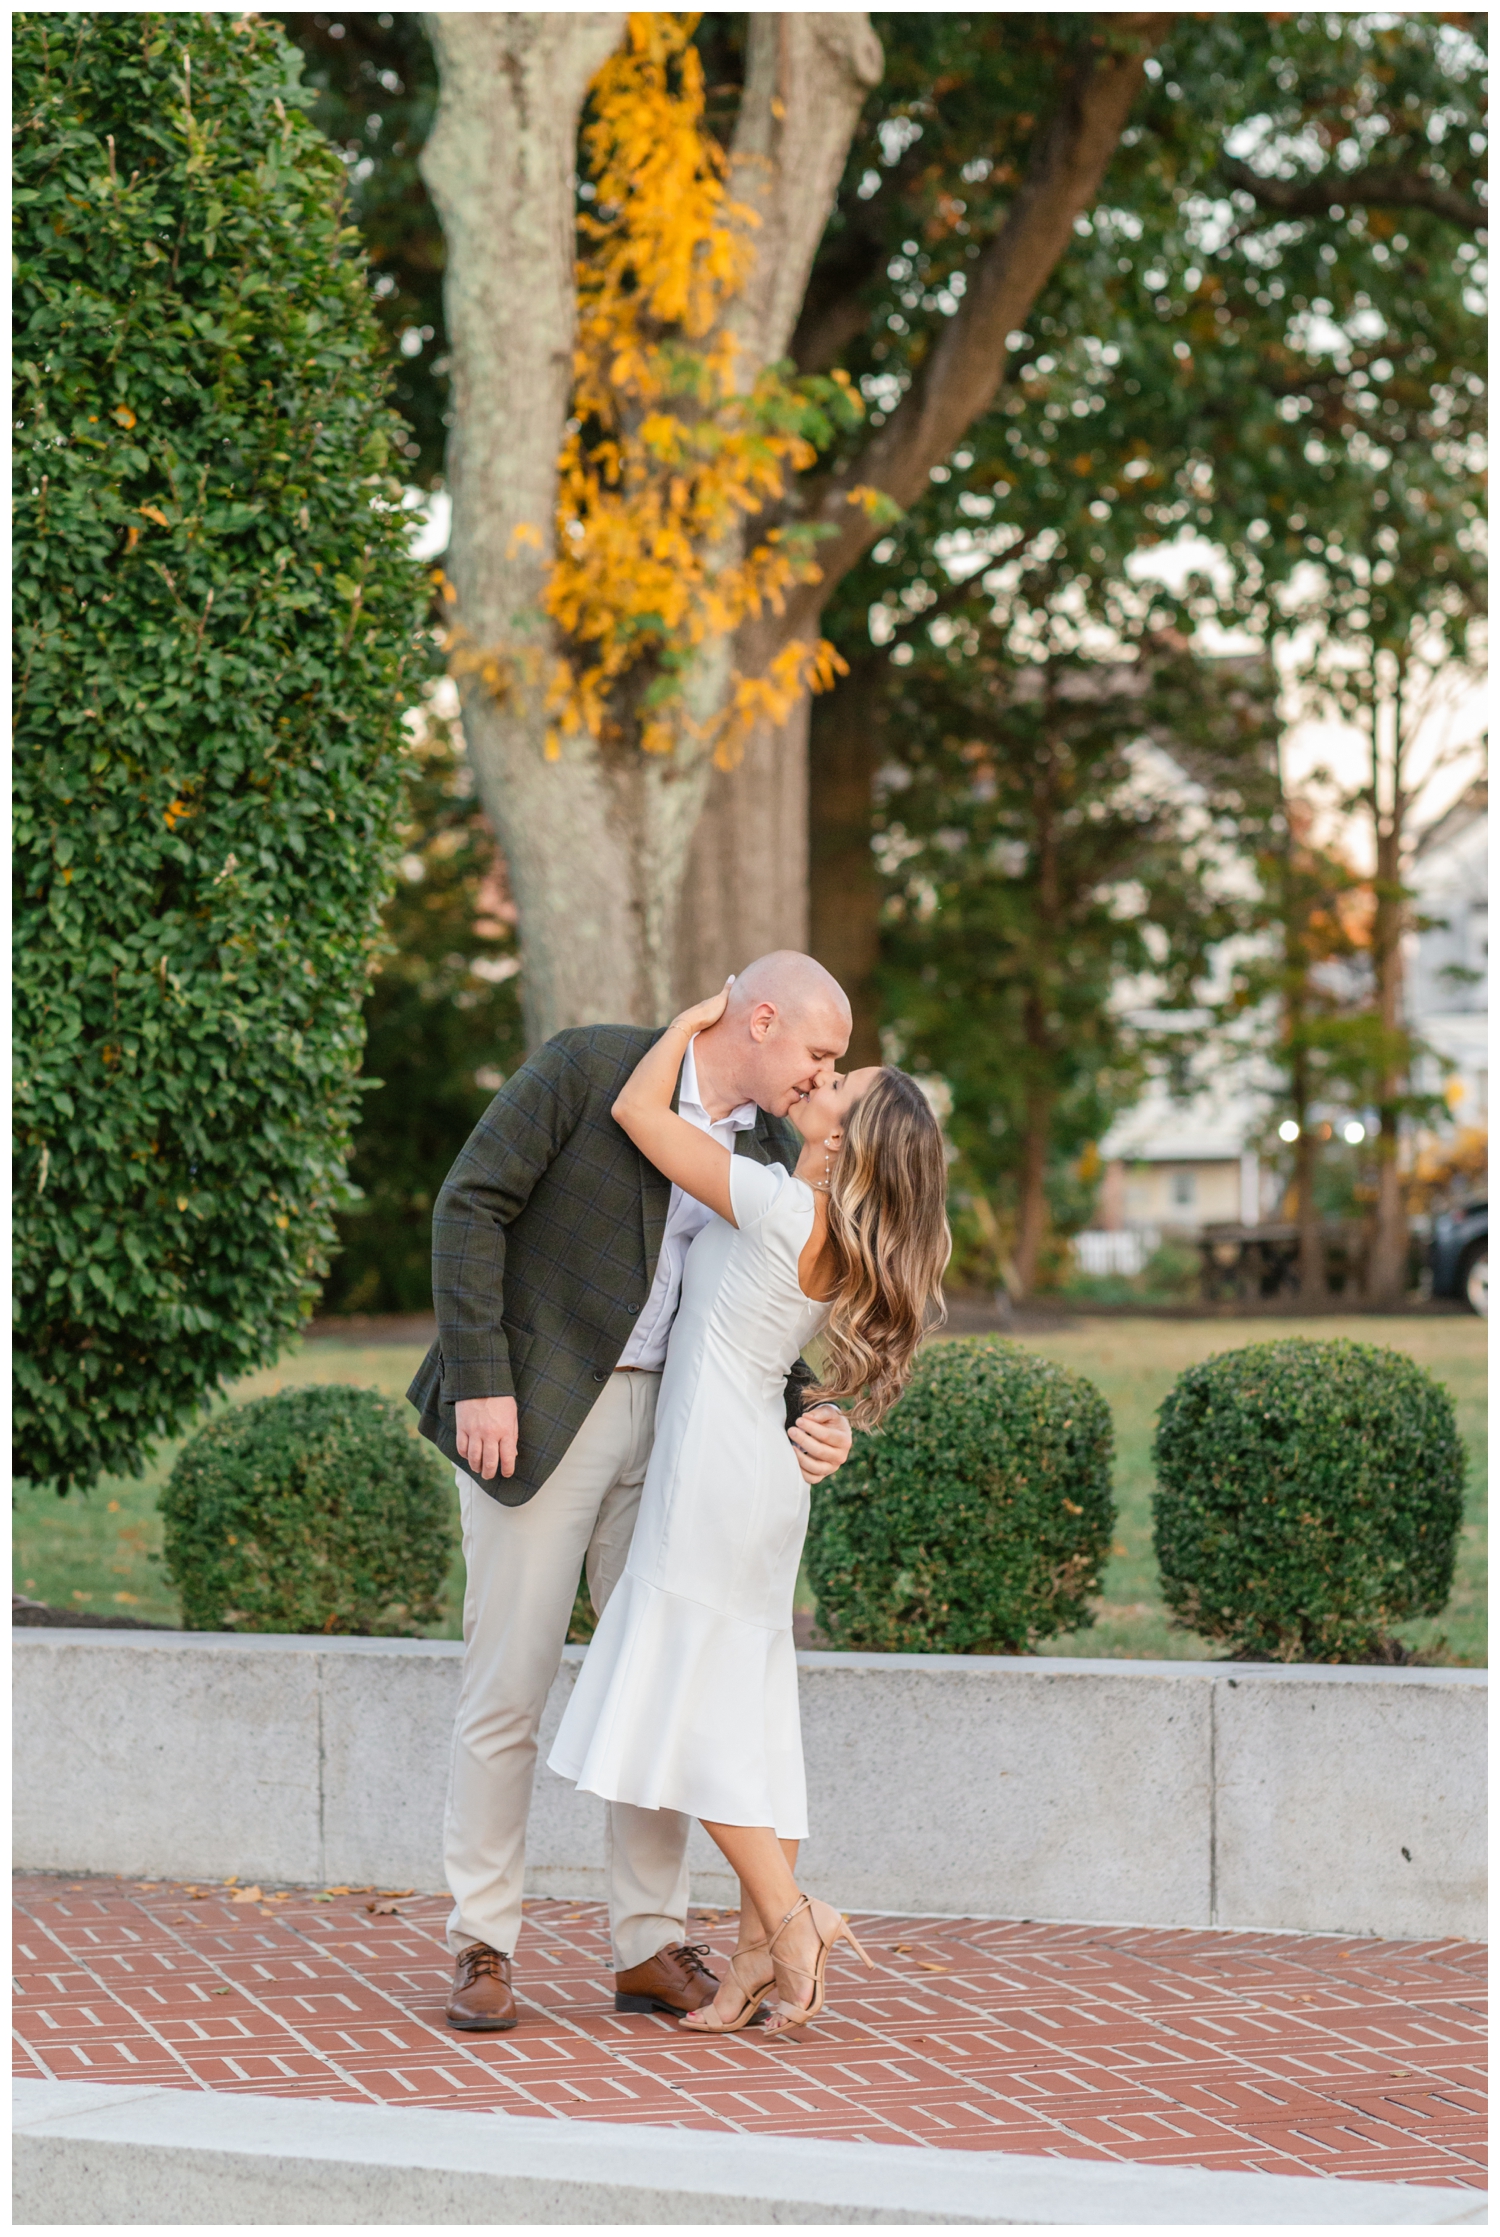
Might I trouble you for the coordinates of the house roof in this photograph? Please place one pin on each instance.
(1212, 1126)
(1455, 820)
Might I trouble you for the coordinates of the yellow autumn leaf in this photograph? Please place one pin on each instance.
(668, 454)
(123, 415)
(154, 512)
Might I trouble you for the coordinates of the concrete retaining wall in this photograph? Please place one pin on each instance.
(1157, 1793)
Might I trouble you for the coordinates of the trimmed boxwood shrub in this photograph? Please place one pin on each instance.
(975, 1520)
(315, 1510)
(217, 626)
(1309, 1496)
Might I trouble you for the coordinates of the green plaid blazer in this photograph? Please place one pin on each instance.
(545, 1239)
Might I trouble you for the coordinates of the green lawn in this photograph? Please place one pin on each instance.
(1135, 1363)
(96, 1551)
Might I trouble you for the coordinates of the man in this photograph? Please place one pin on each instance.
(557, 1257)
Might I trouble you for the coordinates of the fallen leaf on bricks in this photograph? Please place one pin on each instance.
(246, 1895)
(396, 1893)
(924, 1967)
(383, 1910)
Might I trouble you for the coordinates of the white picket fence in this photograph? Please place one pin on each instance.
(1121, 1250)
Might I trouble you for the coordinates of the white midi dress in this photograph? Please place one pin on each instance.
(687, 1698)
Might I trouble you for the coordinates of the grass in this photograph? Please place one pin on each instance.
(1135, 1363)
(95, 1551)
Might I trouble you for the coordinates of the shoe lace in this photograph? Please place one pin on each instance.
(693, 1955)
(480, 1959)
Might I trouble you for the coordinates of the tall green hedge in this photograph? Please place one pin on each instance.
(217, 631)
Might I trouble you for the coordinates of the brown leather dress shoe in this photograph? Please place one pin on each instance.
(480, 2000)
(676, 1980)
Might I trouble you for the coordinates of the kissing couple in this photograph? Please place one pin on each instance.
(633, 1249)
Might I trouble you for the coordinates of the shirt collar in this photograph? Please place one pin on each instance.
(742, 1118)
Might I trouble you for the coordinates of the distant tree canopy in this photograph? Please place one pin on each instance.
(217, 634)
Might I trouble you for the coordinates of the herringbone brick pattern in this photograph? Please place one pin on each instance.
(1284, 2053)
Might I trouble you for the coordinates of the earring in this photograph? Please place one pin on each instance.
(826, 1182)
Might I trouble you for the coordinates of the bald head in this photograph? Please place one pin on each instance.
(797, 987)
(786, 1025)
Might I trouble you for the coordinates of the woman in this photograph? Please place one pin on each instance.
(687, 1699)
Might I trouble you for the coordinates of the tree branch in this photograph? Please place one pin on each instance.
(835, 311)
(1391, 190)
(806, 78)
(967, 361)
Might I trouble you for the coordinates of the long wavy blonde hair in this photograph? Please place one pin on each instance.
(888, 1242)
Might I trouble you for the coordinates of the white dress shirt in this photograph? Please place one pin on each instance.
(685, 1218)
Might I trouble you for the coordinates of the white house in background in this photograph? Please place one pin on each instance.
(1173, 1167)
(1444, 1005)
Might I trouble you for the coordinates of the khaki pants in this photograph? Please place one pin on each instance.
(523, 1565)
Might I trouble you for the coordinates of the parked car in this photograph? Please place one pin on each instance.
(1461, 1257)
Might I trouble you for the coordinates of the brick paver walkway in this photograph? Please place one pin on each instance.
(1288, 2054)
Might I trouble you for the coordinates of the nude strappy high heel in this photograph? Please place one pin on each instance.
(706, 2021)
(830, 1926)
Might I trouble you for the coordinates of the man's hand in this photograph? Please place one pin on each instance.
(821, 1440)
(486, 1430)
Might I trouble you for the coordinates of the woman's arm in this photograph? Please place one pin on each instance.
(694, 1160)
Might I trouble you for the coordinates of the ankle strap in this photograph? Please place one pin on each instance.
(805, 1904)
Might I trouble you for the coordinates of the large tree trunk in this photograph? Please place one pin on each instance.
(844, 892)
(597, 838)
(741, 896)
(499, 166)
(745, 885)
(745, 891)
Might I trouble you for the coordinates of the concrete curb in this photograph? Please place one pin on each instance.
(87, 2153)
(1343, 1801)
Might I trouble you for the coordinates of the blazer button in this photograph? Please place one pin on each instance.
(601, 1374)
(632, 1308)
